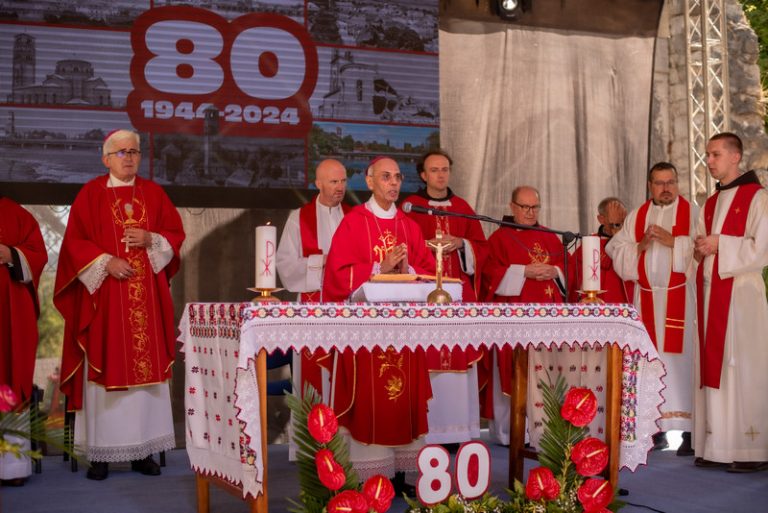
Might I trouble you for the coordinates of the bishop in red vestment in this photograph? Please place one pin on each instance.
(380, 396)
(120, 249)
(22, 258)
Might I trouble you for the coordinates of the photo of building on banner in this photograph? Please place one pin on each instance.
(246, 95)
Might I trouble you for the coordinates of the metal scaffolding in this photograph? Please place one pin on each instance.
(708, 92)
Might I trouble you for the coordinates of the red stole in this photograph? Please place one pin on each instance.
(311, 372)
(674, 326)
(712, 344)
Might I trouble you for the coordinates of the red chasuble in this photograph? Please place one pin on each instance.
(510, 246)
(380, 396)
(453, 359)
(311, 372)
(126, 327)
(19, 306)
(712, 336)
(615, 290)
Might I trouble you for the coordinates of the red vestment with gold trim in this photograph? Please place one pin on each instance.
(126, 328)
(381, 395)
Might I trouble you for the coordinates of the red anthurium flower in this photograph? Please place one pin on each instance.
(541, 485)
(8, 398)
(322, 423)
(331, 474)
(590, 456)
(348, 501)
(379, 492)
(579, 407)
(595, 495)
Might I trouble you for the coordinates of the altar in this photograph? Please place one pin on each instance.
(226, 347)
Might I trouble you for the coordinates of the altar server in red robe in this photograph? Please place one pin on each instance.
(380, 396)
(454, 412)
(22, 258)
(120, 250)
(303, 250)
(523, 266)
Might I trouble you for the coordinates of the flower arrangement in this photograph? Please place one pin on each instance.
(17, 420)
(569, 460)
(328, 482)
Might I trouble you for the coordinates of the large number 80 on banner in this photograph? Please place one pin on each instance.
(249, 77)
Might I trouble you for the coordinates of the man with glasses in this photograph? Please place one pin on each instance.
(731, 425)
(523, 266)
(384, 421)
(655, 251)
(120, 249)
(22, 259)
(611, 213)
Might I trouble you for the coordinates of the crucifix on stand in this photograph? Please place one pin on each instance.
(439, 296)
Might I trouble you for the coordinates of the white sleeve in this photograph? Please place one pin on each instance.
(513, 281)
(26, 272)
(95, 274)
(467, 258)
(622, 249)
(297, 273)
(160, 252)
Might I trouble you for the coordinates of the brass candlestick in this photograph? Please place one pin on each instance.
(265, 295)
(590, 297)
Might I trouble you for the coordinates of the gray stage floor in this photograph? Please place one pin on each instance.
(668, 483)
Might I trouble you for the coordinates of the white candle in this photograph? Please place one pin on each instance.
(590, 263)
(266, 248)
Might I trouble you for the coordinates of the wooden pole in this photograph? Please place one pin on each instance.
(260, 505)
(517, 414)
(613, 413)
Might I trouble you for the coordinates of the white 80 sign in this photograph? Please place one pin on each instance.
(471, 476)
(257, 72)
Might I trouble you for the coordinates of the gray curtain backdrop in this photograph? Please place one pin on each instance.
(565, 112)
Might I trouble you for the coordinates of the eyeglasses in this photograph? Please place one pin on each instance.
(528, 208)
(616, 225)
(669, 183)
(121, 154)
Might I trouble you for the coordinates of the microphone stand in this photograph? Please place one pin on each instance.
(566, 237)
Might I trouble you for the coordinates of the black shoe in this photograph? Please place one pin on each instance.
(451, 448)
(685, 448)
(19, 481)
(401, 487)
(747, 467)
(147, 466)
(660, 441)
(702, 463)
(98, 471)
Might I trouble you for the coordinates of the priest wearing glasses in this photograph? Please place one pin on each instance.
(120, 249)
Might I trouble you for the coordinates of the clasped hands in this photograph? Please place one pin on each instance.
(705, 246)
(137, 238)
(656, 233)
(396, 260)
(540, 272)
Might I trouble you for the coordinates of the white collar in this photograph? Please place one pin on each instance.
(116, 182)
(380, 212)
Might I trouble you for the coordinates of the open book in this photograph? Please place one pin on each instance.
(408, 278)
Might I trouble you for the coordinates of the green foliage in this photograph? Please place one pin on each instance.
(314, 495)
(22, 422)
(756, 12)
(50, 324)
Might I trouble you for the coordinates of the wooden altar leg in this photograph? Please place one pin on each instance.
(613, 413)
(260, 504)
(517, 415)
(203, 494)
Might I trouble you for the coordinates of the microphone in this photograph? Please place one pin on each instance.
(409, 207)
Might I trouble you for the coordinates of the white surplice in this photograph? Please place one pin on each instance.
(731, 423)
(660, 261)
